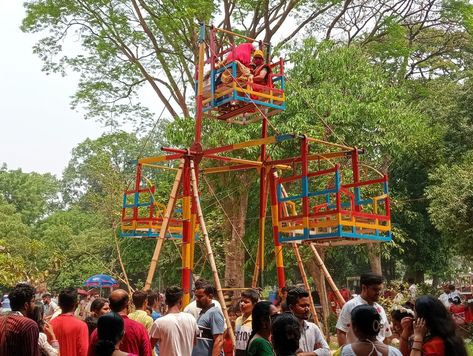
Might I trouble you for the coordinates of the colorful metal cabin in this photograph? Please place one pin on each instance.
(142, 216)
(330, 204)
(230, 94)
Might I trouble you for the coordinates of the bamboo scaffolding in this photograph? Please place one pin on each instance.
(164, 226)
(208, 247)
(299, 263)
(327, 275)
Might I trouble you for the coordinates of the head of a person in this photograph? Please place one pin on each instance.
(38, 315)
(67, 300)
(451, 288)
(298, 303)
(140, 299)
(410, 280)
(455, 300)
(399, 313)
(204, 295)
(439, 322)
(173, 296)
(285, 334)
(371, 286)
(258, 57)
(153, 300)
(232, 315)
(248, 299)
(22, 299)
(99, 307)
(119, 301)
(261, 317)
(365, 321)
(110, 331)
(46, 297)
(445, 288)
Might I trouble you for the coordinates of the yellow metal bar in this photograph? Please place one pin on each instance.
(237, 160)
(366, 226)
(315, 156)
(290, 228)
(218, 95)
(315, 140)
(159, 167)
(155, 159)
(235, 34)
(281, 98)
(257, 142)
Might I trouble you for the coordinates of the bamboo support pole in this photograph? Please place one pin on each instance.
(327, 275)
(299, 263)
(306, 282)
(208, 247)
(164, 227)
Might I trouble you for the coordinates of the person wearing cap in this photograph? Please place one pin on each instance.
(261, 71)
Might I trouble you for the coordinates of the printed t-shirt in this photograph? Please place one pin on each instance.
(242, 334)
(344, 319)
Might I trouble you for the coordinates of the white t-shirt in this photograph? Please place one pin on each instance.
(444, 299)
(242, 334)
(176, 333)
(344, 319)
(312, 336)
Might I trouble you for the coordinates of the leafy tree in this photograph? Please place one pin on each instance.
(451, 203)
(33, 195)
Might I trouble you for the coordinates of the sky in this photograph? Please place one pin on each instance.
(38, 128)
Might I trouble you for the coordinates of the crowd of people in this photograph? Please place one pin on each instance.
(137, 326)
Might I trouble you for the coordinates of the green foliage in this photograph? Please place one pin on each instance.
(33, 195)
(451, 202)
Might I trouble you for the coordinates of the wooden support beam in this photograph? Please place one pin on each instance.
(164, 227)
(208, 248)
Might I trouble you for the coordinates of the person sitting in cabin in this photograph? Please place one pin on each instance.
(261, 70)
(241, 55)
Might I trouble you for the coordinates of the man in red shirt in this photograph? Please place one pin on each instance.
(71, 332)
(136, 339)
(18, 333)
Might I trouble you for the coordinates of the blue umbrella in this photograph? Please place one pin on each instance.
(101, 281)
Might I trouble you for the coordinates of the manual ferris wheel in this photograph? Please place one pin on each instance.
(317, 196)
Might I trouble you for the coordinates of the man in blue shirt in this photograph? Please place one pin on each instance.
(210, 323)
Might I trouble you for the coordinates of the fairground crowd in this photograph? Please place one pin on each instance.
(32, 325)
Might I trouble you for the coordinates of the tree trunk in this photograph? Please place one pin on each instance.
(374, 255)
(236, 208)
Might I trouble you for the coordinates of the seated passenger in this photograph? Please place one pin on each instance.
(241, 54)
(262, 70)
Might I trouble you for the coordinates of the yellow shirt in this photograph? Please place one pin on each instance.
(142, 317)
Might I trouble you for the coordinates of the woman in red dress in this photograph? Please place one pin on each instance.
(434, 331)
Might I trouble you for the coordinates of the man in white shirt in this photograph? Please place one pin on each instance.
(371, 286)
(50, 307)
(312, 341)
(444, 296)
(176, 331)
